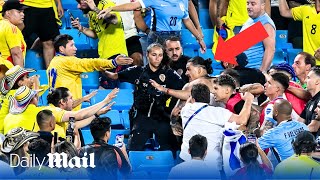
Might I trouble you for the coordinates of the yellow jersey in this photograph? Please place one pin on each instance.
(67, 70)
(27, 119)
(37, 3)
(1, 4)
(111, 38)
(10, 37)
(298, 167)
(311, 27)
(4, 99)
(58, 114)
(237, 13)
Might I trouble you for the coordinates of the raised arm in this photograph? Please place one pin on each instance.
(85, 98)
(284, 9)
(244, 115)
(190, 26)
(183, 94)
(194, 17)
(269, 44)
(300, 93)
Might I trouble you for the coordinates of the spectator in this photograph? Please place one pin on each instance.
(4, 67)
(308, 114)
(23, 109)
(65, 68)
(317, 53)
(280, 137)
(14, 78)
(108, 159)
(196, 167)
(109, 31)
(298, 103)
(12, 44)
(169, 15)
(275, 87)
(199, 118)
(300, 165)
(252, 169)
(263, 51)
(47, 124)
(41, 19)
(61, 103)
(224, 91)
(310, 22)
(16, 142)
(71, 151)
(302, 65)
(174, 54)
(149, 112)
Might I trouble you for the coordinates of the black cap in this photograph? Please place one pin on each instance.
(12, 4)
(242, 60)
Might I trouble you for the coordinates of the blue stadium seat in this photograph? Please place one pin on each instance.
(76, 13)
(279, 57)
(84, 104)
(204, 19)
(282, 40)
(291, 54)
(124, 99)
(151, 161)
(188, 40)
(126, 85)
(64, 24)
(81, 40)
(189, 52)
(125, 119)
(208, 37)
(69, 4)
(216, 72)
(90, 80)
(114, 115)
(93, 43)
(209, 54)
(88, 139)
(34, 60)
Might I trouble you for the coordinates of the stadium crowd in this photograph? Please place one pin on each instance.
(257, 118)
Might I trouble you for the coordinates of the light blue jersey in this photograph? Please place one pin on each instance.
(256, 52)
(281, 137)
(166, 15)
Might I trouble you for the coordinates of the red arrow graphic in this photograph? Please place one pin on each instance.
(228, 50)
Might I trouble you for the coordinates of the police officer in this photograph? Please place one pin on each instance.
(149, 114)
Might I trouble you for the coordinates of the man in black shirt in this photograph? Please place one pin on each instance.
(177, 60)
(308, 115)
(108, 159)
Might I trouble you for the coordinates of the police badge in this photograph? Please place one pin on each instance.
(162, 77)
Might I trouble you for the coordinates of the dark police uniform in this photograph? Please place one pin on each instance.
(148, 114)
(308, 113)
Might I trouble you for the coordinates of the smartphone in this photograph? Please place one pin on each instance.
(71, 16)
(119, 140)
(252, 138)
(55, 137)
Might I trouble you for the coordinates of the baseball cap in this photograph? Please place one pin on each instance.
(12, 4)
(242, 60)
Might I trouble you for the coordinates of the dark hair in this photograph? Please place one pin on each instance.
(99, 127)
(171, 38)
(225, 80)
(316, 70)
(61, 40)
(234, 74)
(199, 61)
(282, 79)
(40, 148)
(67, 148)
(43, 116)
(16, 86)
(198, 145)
(249, 155)
(55, 95)
(308, 59)
(86, 11)
(200, 93)
(304, 143)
